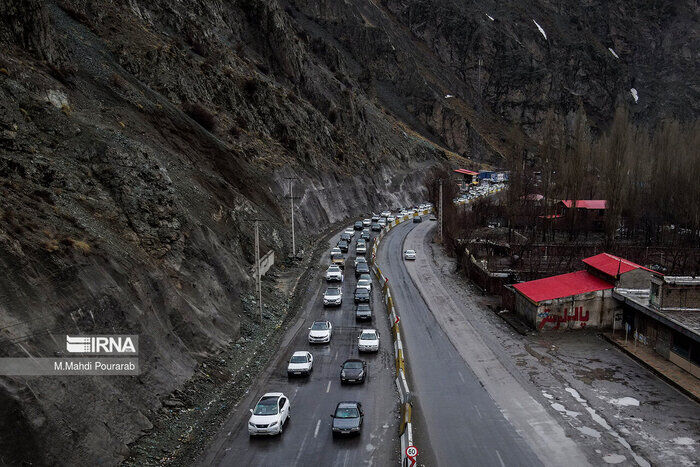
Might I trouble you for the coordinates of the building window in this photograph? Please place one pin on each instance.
(654, 295)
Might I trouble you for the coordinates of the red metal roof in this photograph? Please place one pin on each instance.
(466, 172)
(611, 264)
(586, 203)
(564, 285)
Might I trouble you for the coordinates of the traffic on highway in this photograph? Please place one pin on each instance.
(330, 397)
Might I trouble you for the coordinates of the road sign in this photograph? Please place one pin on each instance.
(411, 453)
(397, 320)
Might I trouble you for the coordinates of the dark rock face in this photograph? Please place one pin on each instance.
(138, 138)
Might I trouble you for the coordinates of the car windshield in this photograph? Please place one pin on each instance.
(363, 282)
(334, 269)
(266, 406)
(410, 252)
(362, 307)
(368, 336)
(361, 259)
(337, 256)
(346, 412)
(298, 359)
(361, 291)
(319, 326)
(333, 291)
(353, 365)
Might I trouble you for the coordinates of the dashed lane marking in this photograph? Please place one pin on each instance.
(318, 425)
(328, 388)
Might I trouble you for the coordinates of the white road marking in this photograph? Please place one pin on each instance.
(477, 411)
(336, 355)
(328, 389)
(499, 458)
(460, 376)
(318, 425)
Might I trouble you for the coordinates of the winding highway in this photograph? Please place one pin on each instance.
(458, 421)
(307, 439)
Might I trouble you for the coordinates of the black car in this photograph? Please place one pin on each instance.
(343, 245)
(361, 295)
(417, 220)
(353, 370)
(362, 268)
(363, 312)
(365, 234)
(358, 225)
(376, 227)
(346, 236)
(347, 418)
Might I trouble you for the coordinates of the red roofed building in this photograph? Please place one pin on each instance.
(619, 271)
(469, 176)
(584, 214)
(568, 301)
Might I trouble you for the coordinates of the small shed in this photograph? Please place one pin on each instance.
(567, 301)
(619, 271)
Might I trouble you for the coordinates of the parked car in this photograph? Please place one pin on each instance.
(353, 370)
(368, 341)
(333, 296)
(347, 418)
(365, 284)
(417, 220)
(338, 259)
(269, 415)
(363, 312)
(376, 227)
(344, 246)
(365, 235)
(320, 332)
(358, 225)
(360, 259)
(409, 254)
(361, 268)
(362, 295)
(301, 363)
(361, 247)
(366, 222)
(334, 274)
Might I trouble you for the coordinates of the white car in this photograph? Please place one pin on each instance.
(409, 254)
(333, 296)
(335, 250)
(382, 222)
(361, 248)
(269, 415)
(364, 284)
(366, 222)
(334, 273)
(386, 213)
(368, 341)
(350, 231)
(320, 332)
(390, 219)
(301, 363)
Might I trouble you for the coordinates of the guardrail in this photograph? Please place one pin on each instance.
(406, 426)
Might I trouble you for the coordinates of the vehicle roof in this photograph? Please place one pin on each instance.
(272, 394)
(323, 322)
(348, 404)
(300, 353)
(353, 360)
(363, 305)
(368, 330)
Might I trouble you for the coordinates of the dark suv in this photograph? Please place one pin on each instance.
(361, 295)
(343, 245)
(362, 268)
(363, 312)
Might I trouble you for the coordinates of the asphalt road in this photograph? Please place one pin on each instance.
(307, 438)
(458, 422)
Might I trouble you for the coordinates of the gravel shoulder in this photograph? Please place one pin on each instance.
(613, 409)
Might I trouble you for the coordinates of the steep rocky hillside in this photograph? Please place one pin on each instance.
(138, 139)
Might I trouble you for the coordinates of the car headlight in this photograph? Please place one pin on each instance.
(250, 424)
(342, 373)
(273, 424)
(357, 428)
(362, 373)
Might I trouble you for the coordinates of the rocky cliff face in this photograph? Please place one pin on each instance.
(139, 138)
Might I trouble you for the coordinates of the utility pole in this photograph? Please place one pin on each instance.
(291, 206)
(257, 266)
(440, 210)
